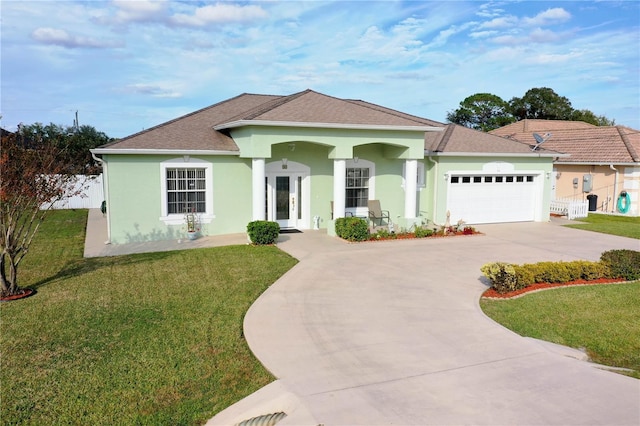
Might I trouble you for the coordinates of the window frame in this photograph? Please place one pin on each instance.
(186, 163)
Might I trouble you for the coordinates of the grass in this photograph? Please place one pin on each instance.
(140, 339)
(624, 226)
(603, 319)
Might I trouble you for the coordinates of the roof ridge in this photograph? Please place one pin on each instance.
(268, 106)
(627, 143)
(391, 111)
(446, 135)
(166, 123)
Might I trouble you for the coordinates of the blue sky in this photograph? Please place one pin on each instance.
(127, 65)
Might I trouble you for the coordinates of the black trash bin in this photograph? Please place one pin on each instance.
(593, 202)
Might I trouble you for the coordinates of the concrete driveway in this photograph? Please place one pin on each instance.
(391, 333)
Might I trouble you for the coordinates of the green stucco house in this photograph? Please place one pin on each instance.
(304, 160)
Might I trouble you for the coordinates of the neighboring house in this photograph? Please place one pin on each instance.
(291, 159)
(604, 161)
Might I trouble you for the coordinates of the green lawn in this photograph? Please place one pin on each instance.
(604, 319)
(140, 339)
(625, 226)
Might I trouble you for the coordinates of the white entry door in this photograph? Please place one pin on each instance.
(287, 194)
(287, 200)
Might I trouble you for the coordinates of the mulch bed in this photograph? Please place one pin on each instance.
(408, 236)
(492, 294)
(26, 292)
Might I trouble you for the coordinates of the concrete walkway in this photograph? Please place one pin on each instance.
(391, 333)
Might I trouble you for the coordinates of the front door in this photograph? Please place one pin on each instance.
(284, 199)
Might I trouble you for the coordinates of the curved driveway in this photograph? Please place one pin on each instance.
(392, 333)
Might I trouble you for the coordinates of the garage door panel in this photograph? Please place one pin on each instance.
(491, 199)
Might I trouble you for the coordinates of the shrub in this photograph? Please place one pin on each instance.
(423, 232)
(263, 232)
(383, 234)
(469, 230)
(559, 272)
(622, 264)
(352, 229)
(502, 276)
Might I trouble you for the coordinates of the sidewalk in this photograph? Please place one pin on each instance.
(96, 241)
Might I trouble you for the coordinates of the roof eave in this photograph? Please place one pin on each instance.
(598, 163)
(147, 151)
(265, 123)
(494, 154)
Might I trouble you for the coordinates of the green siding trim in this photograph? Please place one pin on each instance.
(257, 141)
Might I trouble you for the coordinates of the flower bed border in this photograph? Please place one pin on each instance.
(492, 294)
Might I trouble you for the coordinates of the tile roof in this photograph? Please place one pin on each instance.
(584, 142)
(460, 139)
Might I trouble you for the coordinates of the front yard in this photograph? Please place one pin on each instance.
(601, 319)
(140, 339)
(624, 226)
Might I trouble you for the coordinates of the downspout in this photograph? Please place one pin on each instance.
(435, 187)
(105, 189)
(615, 188)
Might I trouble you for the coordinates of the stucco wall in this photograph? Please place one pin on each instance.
(606, 184)
(448, 165)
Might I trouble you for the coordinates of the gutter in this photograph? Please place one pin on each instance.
(105, 190)
(497, 154)
(136, 151)
(435, 189)
(615, 187)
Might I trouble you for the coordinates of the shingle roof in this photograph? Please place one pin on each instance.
(460, 139)
(584, 142)
(196, 131)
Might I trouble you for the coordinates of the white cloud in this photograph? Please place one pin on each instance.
(62, 38)
(502, 22)
(220, 13)
(156, 91)
(139, 10)
(548, 17)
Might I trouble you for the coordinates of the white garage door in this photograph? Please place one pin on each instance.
(492, 198)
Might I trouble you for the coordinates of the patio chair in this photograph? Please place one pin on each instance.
(376, 213)
(346, 214)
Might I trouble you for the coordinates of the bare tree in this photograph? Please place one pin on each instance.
(32, 177)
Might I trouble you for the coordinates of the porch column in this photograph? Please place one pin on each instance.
(410, 188)
(339, 185)
(258, 188)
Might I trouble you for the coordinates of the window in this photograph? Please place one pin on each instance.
(186, 186)
(186, 190)
(357, 187)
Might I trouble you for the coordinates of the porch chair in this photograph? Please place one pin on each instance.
(376, 213)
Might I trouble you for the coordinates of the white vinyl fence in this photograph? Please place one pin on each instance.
(571, 208)
(91, 196)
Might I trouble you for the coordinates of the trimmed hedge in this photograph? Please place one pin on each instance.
(263, 232)
(506, 277)
(352, 229)
(622, 263)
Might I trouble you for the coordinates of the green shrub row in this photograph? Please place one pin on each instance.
(263, 232)
(622, 263)
(505, 277)
(352, 229)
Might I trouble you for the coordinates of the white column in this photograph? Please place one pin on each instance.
(410, 188)
(339, 185)
(258, 190)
